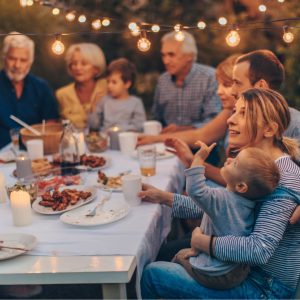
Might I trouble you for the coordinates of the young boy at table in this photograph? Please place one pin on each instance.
(119, 108)
(250, 176)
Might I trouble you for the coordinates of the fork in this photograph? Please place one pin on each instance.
(93, 211)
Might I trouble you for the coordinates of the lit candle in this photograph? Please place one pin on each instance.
(2, 188)
(113, 134)
(21, 209)
(23, 166)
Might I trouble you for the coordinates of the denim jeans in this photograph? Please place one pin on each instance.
(171, 281)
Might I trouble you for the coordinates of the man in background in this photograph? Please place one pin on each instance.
(22, 94)
(185, 95)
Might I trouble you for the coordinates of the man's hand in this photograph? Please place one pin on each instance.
(182, 150)
(171, 128)
(152, 194)
(295, 218)
(202, 153)
(144, 139)
(184, 254)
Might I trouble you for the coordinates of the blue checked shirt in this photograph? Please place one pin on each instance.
(195, 103)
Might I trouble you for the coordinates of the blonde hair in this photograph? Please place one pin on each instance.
(17, 40)
(91, 52)
(225, 68)
(259, 172)
(274, 109)
(188, 45)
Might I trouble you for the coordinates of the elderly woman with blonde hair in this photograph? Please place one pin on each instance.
(85, 64)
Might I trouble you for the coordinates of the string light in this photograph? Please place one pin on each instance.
(29, 2)
(58, 47)
(70, 16)
(132, 26)
(82, 19)
(201, 25)
(96, 24)
(233, 38)
(105, 22)
(288, 36)
(177, 27)
(179, 36)
(136, 31)
(143, 43)
(222, 21)
(262, 8)
(280, 1)
(23, 3)
(55, 11)
(155, 28)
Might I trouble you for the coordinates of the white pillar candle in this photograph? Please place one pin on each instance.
(113, 134)
(23, 164)
(2, 188)
(21, 208)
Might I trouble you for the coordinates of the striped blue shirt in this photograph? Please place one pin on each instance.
(195, 103)
(274, 244)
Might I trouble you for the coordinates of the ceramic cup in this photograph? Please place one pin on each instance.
(35, 149)
(127, 141)
(131, 186)
(152, 127)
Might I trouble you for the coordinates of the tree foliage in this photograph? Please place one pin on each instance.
(119, 43)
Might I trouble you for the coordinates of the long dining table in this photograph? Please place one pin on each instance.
(106, 254)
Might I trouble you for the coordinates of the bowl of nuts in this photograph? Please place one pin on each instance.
(96, 141)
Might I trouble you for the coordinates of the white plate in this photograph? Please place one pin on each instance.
(106, 188)
(49, 211)
(112, 211)
(18, 240)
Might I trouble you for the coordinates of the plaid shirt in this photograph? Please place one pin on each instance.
(193, 104)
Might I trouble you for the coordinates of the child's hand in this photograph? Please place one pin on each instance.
(202, 154)
(190, 252)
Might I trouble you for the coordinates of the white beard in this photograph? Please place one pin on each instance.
(16, 76)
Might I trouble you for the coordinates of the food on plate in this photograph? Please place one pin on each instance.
(57, 181)
(113, 182)
(61, 200)
(92, 161)
(41, 166)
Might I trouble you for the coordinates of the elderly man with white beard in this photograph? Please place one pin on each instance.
(21, 93)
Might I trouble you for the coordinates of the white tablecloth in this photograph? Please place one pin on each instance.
(140, 233)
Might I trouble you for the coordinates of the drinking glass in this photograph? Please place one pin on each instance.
(147, 160)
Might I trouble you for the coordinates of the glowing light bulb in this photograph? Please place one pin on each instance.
(136, 31)
(233, 38)
(143, 44)
(58, 47)
(179, 36)
(201, 25)
(96, 24)
(288, 36)
(81, 18)
(29, 2)
(262, 8)
(280, 1)
(177, 27)
(132, 26)
(105, 22)
(222, 21)
(155, 28)
(55, 11)
(70, 16)
(23, 3)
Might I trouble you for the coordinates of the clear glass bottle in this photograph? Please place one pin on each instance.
(68, 148)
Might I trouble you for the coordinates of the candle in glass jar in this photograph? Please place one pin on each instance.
(113, 133)
(2, 188)
(21, 208)
(23, 166)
